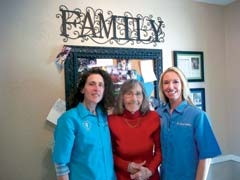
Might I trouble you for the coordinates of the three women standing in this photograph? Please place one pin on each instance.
(83, 148)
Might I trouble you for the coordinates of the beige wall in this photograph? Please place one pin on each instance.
(30, 82)
(232, 64)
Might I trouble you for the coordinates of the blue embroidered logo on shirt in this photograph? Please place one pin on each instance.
(184, 124)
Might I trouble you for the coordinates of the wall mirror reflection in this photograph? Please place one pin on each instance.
(121, 63)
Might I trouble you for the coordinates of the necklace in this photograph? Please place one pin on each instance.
(130, 122)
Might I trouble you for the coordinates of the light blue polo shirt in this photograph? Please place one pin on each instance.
(82, 141)
(186, 137)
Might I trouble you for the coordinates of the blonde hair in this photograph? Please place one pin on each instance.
(185, 88)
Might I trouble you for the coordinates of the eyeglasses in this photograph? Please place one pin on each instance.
(131, 94)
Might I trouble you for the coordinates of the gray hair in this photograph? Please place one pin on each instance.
(128, 85)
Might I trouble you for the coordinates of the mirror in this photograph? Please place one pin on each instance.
(81, 57)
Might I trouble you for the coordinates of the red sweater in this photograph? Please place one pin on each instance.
(135, 138)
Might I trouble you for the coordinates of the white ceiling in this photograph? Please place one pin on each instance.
(218, 2)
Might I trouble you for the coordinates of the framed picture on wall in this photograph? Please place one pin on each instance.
(198, 97)
(191, 63)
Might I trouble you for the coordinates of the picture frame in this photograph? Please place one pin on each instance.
(82, 56)
(191, 63)
(198, 97)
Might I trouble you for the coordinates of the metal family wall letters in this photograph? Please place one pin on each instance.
(92, 25)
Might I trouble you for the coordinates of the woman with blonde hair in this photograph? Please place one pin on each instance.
(185, 88)
(187, 139)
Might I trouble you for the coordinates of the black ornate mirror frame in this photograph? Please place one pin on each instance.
(71, 64)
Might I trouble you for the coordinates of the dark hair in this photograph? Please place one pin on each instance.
(128, 85)
(108, 96)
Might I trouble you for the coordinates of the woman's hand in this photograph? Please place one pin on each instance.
(135, 167)
(143, 174)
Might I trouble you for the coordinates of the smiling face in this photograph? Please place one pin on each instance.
(93, 89)
(133, 98)
(172, 87)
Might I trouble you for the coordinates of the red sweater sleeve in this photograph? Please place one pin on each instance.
(157, 158)
(120, 163)
(136, 144)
